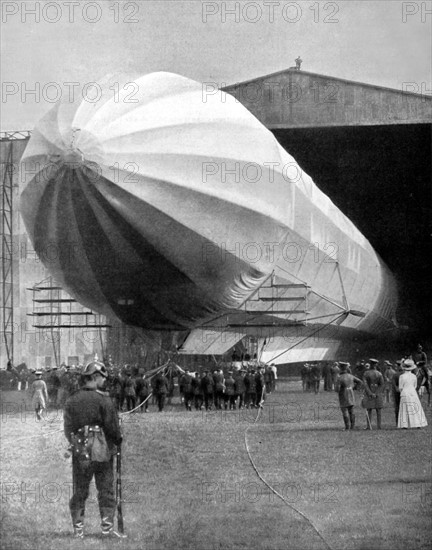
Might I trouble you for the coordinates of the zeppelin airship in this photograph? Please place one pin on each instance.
(177, 211)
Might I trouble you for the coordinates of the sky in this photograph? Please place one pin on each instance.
(387, 43)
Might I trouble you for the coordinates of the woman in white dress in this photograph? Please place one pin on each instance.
(39, 395)
(411, 414)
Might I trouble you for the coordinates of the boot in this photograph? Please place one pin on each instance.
(78, 529)
(378, 419)
(346, 421)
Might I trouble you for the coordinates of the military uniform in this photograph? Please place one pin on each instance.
(240, 388)
(160, 389)
(304, 373)
(130, 392)
(250, 384)
(345, 390)
(197, 391)
(219, 388)
(207, 386)
(315, 375)
(86, 413)
(143, 391)
(187, 389)
(374, 387)
(230, 392)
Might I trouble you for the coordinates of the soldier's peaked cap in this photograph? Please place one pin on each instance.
(373, 361)
(94, 367)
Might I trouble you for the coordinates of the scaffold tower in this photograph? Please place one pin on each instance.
(55, 310)
(6, 239)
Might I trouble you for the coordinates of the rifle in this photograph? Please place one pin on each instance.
(120, 525)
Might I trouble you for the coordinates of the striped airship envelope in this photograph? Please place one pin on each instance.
(165, 202)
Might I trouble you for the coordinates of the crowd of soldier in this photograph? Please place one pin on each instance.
(243, 388)
(198, 390)
(130, 388)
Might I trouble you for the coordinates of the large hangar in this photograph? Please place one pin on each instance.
(369, 149)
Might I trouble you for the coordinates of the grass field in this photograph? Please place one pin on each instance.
(189, 483)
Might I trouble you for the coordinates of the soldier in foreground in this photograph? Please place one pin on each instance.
(92, 428)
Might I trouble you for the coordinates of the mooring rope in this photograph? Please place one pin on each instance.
(137, 407)
(268, 484)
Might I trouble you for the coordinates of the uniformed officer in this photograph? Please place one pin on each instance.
(92, 428)
(374, 387)
(345, 389)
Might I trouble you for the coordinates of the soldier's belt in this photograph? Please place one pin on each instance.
(85, 430)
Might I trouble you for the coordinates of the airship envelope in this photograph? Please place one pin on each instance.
(164, 202)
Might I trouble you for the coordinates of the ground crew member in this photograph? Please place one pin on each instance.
(229, 396)
(197, 391)
(315, 374)
(130, 391)
(240, 388)
(327, 375)
(187, 389)
(207, 386)
(143, 391)
(92, 428)
(160, 389)
(250, 384)
(304, 373)
(219, 388)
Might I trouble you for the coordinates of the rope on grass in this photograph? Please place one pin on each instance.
(268, 484)
(38, 435)
(137, 407)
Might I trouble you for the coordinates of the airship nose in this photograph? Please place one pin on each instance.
(72, 158)
(81, 148)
